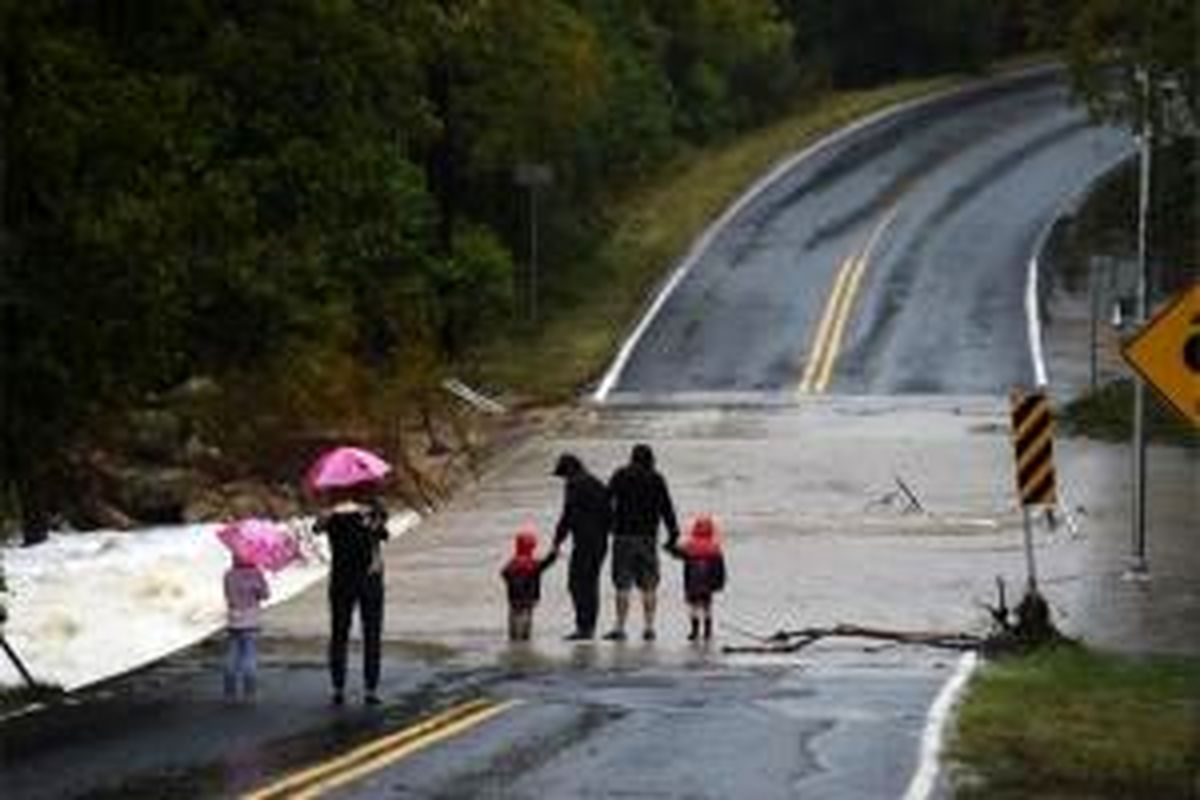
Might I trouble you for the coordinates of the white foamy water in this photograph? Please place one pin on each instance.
(87, 606)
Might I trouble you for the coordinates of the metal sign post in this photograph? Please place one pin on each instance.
(1139, 567)
(1033, 443)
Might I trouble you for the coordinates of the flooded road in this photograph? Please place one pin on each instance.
(886, 511)
(816, 533)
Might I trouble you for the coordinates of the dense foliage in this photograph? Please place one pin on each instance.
(1137, 63)
(295, 195)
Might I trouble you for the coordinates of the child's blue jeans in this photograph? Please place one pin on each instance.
(241, 663)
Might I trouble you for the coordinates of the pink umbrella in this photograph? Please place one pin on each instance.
(343, 467)
(261, 542)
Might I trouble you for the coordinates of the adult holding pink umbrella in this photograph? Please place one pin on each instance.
(349, 479)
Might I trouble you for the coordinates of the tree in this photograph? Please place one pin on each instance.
(1137, 63)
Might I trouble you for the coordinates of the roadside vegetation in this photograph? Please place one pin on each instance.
(231, 231)
(263, 224)
(1067, 722)
(1107, 414)
(652, 227)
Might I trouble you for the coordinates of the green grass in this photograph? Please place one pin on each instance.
(1107, 414)
(1071, 723)
(652, 228)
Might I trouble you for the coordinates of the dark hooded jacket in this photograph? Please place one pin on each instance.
(586, 513)
(640, 498)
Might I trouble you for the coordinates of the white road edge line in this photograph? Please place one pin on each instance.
(1033, 317)
(791, 162)
(924, 780)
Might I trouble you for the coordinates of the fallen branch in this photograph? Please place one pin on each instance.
(791, 641)
(1027, 626)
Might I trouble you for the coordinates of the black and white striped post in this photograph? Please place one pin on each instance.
(1033, 441)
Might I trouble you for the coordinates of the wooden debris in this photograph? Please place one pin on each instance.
(785, 641)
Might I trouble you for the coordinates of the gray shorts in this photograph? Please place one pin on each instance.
(635, 562)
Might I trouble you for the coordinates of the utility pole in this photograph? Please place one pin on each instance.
(1139, 568)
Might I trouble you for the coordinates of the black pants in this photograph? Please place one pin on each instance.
(583, 581)
(367, 594)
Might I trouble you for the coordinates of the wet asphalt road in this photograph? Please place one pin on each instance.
(943, 206)
(605, 721)
(950, 200)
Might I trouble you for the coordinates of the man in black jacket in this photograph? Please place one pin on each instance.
(586, 518)
(640, 501)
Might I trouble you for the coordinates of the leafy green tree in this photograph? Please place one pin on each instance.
(727, 60)
(863, 42)
(1137, 63)
(190, 191)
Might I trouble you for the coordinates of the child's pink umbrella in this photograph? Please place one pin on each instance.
(261, 542)
(343, 467)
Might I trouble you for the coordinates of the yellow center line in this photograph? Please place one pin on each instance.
(813, 367)
(818, 372)
(375, 755)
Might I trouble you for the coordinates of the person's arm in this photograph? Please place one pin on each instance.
(666, 510)
(377, 517)
(563, 529)
(548, 561)
(613, 491)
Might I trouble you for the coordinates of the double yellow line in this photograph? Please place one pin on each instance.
(818, 370)
(377, 754)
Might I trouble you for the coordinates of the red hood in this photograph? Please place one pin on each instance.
(524, 545)
(702, 539)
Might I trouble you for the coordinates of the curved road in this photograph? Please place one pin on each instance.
(891, 259)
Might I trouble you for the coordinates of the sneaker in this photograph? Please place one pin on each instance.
(615, 635)
(577, 636)
(371, 699)
(338, 698)
(648, 635)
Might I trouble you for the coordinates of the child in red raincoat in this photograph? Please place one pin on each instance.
(523, 578)
(703, 573)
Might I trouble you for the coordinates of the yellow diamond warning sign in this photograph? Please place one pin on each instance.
(1166, 352)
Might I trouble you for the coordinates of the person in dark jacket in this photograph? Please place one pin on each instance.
(586, 518)
(640, 501)
(356, 526)
(703, 573)
(523, 580)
